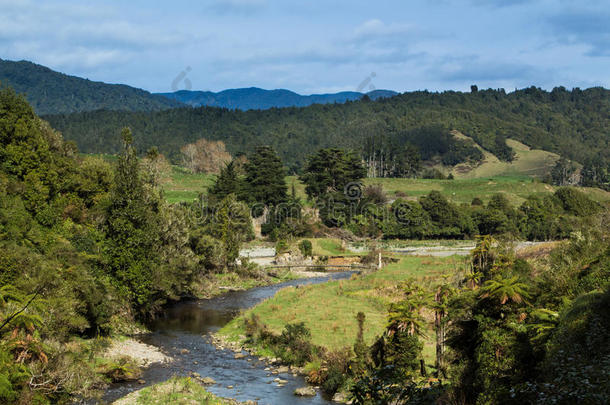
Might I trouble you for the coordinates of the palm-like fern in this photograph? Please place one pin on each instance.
(544, 321)
(8, 293)
(505, 290)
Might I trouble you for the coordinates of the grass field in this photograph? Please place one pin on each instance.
(182, 185)
(329, 310)
(516, 188)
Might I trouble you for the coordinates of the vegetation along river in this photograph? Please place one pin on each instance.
(187, 325)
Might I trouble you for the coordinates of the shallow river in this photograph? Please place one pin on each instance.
(185, 326)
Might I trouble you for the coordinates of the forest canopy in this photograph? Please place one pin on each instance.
(573, 123)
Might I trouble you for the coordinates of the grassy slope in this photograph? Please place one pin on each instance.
(527, 162)
(329, 310)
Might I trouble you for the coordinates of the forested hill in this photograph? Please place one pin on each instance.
(253, 98)
(575, 124)
(51, 92)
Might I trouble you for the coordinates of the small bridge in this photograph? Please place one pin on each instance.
(320, 267)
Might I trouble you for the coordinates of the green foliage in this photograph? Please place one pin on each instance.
(331, 171)
(12, 377)
(226, 183)
(306, 248)
(577, 366)
(573, 125)
(563, 173)
(230, 222)
(575, 202)
(596, 172)
(264, 182)
(408, 220)
(82, 246)
(132, 228)
(446, 219)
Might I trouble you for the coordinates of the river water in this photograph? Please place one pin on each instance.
(187, 325)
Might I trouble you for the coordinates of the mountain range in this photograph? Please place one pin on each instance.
(254, 98)
(51, 92)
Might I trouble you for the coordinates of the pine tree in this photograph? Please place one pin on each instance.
(227, 183)
(264, 182)
(132, 230)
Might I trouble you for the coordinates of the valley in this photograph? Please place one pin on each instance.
(424, 247)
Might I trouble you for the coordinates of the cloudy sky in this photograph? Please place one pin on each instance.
(316, 46)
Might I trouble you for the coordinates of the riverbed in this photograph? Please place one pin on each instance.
(183, 333)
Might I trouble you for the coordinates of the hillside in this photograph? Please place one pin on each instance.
(527, 161)
(254, 98)
(51, 92)
(574, 124)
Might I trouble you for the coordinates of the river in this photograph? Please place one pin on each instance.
(187, 325)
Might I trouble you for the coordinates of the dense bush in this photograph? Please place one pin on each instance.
(87, 249)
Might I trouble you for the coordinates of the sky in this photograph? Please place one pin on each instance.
(315, 46)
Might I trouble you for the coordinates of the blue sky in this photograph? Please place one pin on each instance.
(316, 46)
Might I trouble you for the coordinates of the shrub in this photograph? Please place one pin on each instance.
(281, 246)
(297, 347)
(432, 174)
(123, 369)
(575, 202)
(337, 367)
(306, 248)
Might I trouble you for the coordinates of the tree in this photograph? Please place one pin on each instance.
(447, 220)
(564, 173)
(264, 181)
(205, 156)
(155, 166)
(596, 172)
(227, 182)
(232, 225)
(408, 162)
(132, 230)
(331, 171)
(408, 220)
(505, 290)
(441, 306)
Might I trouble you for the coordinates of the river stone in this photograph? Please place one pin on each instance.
(184, 351)
(207, 381)
(240, 356)
(341, 397)
(283, 369)
(305, 392)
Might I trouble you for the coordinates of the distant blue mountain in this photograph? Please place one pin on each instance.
(253, 98)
